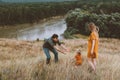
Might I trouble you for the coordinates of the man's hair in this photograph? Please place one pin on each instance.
(54, 36)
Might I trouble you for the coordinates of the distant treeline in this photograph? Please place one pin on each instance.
(17, 13)
(24, 1)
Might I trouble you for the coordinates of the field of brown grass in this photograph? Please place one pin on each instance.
(25, 60)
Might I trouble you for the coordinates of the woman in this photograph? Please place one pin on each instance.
(93, 45)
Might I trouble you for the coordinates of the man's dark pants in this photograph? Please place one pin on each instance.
(47, 53)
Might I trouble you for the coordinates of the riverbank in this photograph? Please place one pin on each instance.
(28, 24)
(25, 60)
(23, 30)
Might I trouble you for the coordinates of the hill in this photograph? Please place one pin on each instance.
(25, 60)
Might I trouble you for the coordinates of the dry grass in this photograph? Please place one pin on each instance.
(24, 60)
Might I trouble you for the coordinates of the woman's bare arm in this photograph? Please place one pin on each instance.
(93, 45)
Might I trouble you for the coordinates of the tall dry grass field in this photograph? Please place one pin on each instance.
(25, 60)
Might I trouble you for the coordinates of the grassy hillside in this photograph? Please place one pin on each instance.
(25, 60)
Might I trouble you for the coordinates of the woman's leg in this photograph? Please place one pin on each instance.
(94, 62)
(90, 61)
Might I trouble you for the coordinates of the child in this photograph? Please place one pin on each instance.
(78, 58)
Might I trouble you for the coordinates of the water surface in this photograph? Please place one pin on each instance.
(41, 31)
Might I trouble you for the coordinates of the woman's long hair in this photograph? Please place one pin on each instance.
(94, 28)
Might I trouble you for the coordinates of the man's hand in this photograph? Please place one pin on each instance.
(68, 50)
(65, 48)
(62, 49)
(64, 52)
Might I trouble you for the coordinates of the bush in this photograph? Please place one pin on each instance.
(69, 32)
(109, 24)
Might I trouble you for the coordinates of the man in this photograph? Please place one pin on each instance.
(50, 45)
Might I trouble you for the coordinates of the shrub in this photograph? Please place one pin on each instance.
(109, 24)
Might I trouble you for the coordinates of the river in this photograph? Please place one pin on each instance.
(40, 30)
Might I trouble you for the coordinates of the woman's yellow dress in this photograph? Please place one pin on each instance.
(95, 51)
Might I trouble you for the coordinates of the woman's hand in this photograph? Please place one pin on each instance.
(91, 52)
(93, 55)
